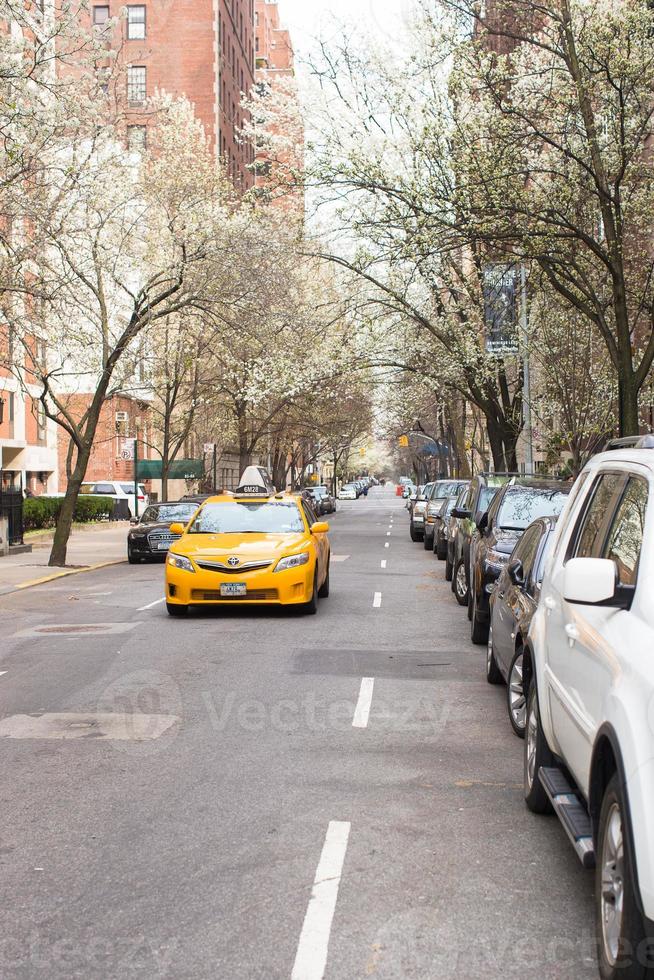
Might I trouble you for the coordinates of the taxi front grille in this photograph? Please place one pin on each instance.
(256, 595)
(246, 566)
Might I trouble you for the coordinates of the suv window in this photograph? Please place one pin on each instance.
(485, 498)
(625, 538)
(591, 533)
(103, 488)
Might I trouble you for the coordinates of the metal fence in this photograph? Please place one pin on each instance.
(11, 507)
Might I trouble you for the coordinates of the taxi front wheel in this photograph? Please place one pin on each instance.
(176, 610)
(311, 607)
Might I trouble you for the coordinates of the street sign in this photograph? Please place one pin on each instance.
(209, 447)
(127, 450)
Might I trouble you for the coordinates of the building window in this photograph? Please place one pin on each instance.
(136, 138)
(136, 85)
(136, 22)
(100, 16)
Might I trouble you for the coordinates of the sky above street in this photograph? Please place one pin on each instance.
(308, 19)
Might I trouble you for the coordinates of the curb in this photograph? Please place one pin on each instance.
(63, 574)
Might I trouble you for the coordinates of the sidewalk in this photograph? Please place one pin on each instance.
(87, 548)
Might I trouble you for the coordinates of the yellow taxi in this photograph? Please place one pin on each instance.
(253, 547)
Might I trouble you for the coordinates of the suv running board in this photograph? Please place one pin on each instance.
(571, 812)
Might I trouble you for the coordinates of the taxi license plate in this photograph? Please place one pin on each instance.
(234, 588)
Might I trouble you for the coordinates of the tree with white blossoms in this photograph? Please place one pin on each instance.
(382, 157)
(117, 243)
(281, 331)
(555, 120)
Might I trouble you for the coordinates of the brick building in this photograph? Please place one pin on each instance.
(122, 418)
(275, 66)
(200, 49)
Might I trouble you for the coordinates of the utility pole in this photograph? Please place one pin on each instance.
(526, 384)
(215, 462)
(136, 477)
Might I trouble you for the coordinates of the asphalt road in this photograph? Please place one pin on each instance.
(172, 789)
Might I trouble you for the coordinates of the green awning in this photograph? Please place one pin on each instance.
(180, 469)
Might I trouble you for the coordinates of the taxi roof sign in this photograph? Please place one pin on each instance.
(255, 482)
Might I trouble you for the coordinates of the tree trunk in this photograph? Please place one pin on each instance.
(628, 403)
(503, 439)
(67, 512)
(244, 457)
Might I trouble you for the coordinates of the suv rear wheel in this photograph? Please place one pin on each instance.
(515, 695)
(493, 673)
(478, 630)
(460, 583)
(624, 950)
(537, 754)
(448, 568)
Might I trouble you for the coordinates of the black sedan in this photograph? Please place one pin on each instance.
(150, 536)
(322, 499)
(512, 510)
(513, 604)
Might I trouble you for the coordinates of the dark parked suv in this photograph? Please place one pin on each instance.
(469, 512)
(512, 510)
(440, 491)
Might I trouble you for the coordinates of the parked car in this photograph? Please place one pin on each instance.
(347, 492)
(452, 531)
(440, 491)
(511, 512)
(323, 501)
(417, 514)
(408, 489)
(441, 527)
(588, 670)
(415, 493)
(118, 490)
(470, 510)
(512, 606)
(150, 537)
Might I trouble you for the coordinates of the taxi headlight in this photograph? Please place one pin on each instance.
(292, 561)
(179, 561)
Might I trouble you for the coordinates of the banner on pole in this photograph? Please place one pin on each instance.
(501, 309)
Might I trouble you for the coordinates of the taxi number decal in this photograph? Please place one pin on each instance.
(253, 489)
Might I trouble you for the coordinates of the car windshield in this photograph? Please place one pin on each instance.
(240, 517)
(169, 512)
(485, 498)
(521, 506)
(442, 490)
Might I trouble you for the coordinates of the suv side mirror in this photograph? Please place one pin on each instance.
(593, 582)
(516, 572)
(482, 522)
(462, 515)
(134, 520)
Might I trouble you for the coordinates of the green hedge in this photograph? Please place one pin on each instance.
(43, 512)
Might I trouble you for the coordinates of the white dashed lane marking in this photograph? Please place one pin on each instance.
(311, 956)
(386, 545)
(362, 710)
(383, 563)
(376, 602)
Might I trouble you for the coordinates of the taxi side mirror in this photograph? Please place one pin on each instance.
(320, 527)
(177, 528)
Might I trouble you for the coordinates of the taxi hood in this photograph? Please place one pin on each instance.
(248, 547)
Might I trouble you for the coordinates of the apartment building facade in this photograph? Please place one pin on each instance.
(200, 49)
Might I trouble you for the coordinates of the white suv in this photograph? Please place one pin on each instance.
(589, 677)
(118, 490)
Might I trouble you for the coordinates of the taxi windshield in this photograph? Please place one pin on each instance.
(245, 517)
